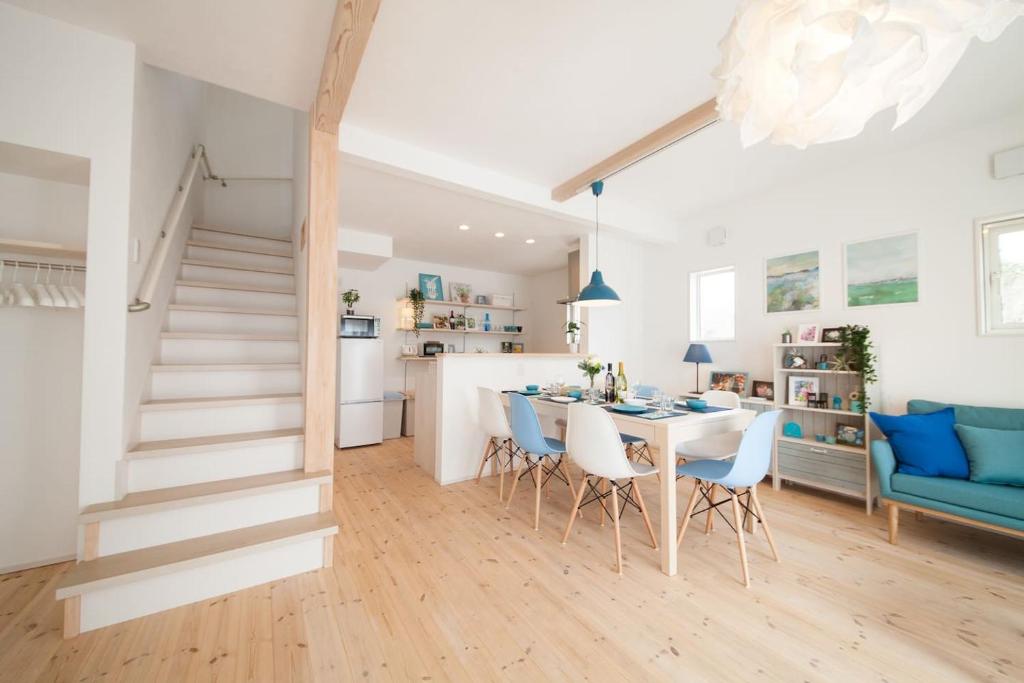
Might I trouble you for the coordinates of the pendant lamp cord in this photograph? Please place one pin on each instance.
(597, 232)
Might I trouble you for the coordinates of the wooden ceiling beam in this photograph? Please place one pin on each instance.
(689, 123)
(350, 32)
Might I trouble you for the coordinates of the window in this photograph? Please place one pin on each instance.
(1001, 274)
(713, 305)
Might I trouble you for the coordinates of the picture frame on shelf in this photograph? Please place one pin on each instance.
(849, 435)
(724, 380)
(518, 347)
(432, 287)
(800, 389)
(832, 335)
(808, 333)
(470, 322)
(460, 292)
(440, 322)
(763, 389)
(502, 300)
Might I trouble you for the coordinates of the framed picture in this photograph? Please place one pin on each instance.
(431, 287)
(832, 335)
(800, 389)
(470, 323)
(850, 435)
(736, 382)
(460, 292)
(517, 347)
(763, 389)
(882, 271)
(808, 333)
(441, 322)
(792, 283)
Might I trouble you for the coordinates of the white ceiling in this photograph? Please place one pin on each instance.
(424, 219)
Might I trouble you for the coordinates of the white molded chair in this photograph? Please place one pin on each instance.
(594, 444)
(739, 479)
(500, 442)
(721, 399)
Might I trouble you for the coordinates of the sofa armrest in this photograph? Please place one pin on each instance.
(884, 461)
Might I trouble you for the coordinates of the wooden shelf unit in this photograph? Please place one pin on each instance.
(424, 331)
(839, 468)
(462, 306)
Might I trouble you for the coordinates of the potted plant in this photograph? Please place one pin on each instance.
(416, 300)
(856, 355)
(591, 367)
(462, 292)
(573, 329)
(351, 298)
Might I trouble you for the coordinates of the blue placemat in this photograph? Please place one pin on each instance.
(649, 414)
(709, 409)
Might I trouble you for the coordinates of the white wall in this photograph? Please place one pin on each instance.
(168, 119)
(73, 90)
(248, 137)
(380, 289)
(927, 350)
(40, 401)
(547, 318)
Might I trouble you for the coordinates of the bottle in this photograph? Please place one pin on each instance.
(609, 386)
(487, 322)
(451, 319)
(621, 385)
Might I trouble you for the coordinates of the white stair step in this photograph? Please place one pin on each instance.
(195, 293)
(225, 336)
(194, 349)
(233, 310)
(242, 323)
(147, 502)
(177, 462)
(229, 379)
(236, 232)
(211, 251)
(191, 269)
(223, 367)
(237, 238)
(207, 416)
(129, 585)
(238, 266)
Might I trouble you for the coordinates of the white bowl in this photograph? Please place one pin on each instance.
(636, 401)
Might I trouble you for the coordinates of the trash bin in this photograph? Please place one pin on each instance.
(393, 401)
(409, 421)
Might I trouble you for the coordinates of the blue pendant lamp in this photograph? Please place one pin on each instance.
(597, 293)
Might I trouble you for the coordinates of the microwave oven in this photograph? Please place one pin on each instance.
(366, 326)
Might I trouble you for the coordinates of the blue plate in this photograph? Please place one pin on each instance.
(628, 408)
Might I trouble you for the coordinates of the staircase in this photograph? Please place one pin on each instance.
(218, 498)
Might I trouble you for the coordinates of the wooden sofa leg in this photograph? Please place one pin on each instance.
(894, 521)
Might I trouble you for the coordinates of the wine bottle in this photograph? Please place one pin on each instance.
(451, 319)
(609, 386)
(621, 385)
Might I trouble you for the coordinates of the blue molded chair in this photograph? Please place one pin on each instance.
(739, 478)
(536, 448)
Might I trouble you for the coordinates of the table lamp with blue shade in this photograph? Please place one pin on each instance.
(697, 353)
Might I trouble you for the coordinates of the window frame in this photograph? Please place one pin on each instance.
(988, 302)
(694, 285)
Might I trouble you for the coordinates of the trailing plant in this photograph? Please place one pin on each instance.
(856, 354)
(351, 298)
(416, 300)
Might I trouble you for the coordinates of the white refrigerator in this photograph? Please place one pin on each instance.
(360, 418)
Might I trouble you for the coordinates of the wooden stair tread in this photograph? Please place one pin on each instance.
(197, 308)
(228, 247)
(146, 449)
(233, 287)
(143, 502)
(238, 233)
(221, 367)
(236, 266)
(229, 336)
(160, 560)
(216, 401)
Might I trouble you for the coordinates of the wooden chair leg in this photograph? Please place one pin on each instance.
(764, 522)
(749, 522)
(618, 533)
(575, 506)
(515, 481)
(538, 482)
(709, 521)
(603, 489)
(488, 451)
(689, 511)
(501, 471)
(738, 520)
(643, 512)
(894, 521)
(565, 470)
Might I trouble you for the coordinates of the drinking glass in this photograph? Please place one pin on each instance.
(668, 402)
(655, 401)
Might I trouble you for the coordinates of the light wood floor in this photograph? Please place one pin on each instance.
(443, 584)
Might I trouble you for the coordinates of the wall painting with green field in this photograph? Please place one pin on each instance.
(882, 271)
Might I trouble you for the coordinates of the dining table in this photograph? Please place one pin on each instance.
(662, 434)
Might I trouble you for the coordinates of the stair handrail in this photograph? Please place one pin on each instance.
(169, 229)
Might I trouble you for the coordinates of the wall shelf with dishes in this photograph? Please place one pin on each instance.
(825, 432)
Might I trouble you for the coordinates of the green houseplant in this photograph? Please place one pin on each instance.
(416, 300)
(351, 298)
(591, 367)
(856, 354)
(573, 329)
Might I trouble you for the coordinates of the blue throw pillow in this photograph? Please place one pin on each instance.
(926, 444)
(996, 455)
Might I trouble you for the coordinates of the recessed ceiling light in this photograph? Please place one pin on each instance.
(463, 227)
(530, 241)
(499, 234)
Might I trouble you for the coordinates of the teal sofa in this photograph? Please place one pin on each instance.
(988, 506)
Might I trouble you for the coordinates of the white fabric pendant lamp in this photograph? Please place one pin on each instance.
(801, 72)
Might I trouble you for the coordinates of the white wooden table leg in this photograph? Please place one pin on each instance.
(667, 532)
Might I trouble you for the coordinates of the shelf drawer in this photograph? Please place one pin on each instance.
(822, 464)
